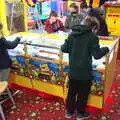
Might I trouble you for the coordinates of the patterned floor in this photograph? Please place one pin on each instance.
(31, 106)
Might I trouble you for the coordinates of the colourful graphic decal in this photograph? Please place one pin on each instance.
(50, 72)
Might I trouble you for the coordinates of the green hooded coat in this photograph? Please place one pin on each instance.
(81, 45)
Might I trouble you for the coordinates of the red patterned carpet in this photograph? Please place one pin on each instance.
(32, 106)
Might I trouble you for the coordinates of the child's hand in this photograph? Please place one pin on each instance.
(20, 36)
(106, 49)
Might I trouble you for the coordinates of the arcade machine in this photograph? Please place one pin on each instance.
(40, 65)
(113, 19)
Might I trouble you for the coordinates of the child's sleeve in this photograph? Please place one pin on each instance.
(61, 26)
(8, 44)
(95, 49)
(67, 46)
(48, 26)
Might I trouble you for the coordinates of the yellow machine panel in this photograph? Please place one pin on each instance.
(113, 19)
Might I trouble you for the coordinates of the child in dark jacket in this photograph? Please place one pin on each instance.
(81, 45)
(5, 61)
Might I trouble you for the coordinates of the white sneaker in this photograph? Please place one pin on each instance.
(68, 115)
(82, 116)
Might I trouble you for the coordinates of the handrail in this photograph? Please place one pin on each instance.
(116, 42)
(47, 46)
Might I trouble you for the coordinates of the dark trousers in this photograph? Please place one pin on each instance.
(77, 95)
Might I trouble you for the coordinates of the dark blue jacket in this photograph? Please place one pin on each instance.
(5, 61)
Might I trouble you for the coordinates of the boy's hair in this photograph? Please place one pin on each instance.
(73, 5)
(53, 13)
(92, 23)
(1, 26)
(95, 12)
(83, 5)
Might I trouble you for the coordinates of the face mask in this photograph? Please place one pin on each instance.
(74, 13)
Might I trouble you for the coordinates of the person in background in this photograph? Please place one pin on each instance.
(83, 9)
(5, 61)
(81, 45)
(74, 18)
(53, 24)
(99, 14)
(101, 2)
